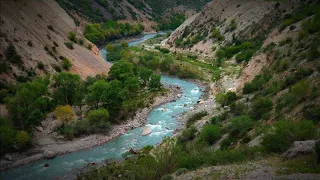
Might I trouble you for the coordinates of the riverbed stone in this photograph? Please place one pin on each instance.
(146, 131)
(49, 154)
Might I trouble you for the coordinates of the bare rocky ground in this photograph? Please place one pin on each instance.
(48, 140)
(270, 168)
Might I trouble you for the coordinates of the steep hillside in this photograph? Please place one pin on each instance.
(146, 12)
(36, 33)
(230, 19)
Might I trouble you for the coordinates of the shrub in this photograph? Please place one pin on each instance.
(226, 99)
(64, 114)
(188, 134)
(219, 118)
(40, 65)
(69, 45)
(12, 55)
(217, 35)
(7, 135)
(197, 116)
(238, 108)
(81, 41)
(260, 108)
(256, 84)
(240, 126)
(245, 55)
(312, 113)
(72, 36)
(285, 132)
(301, 89)
(22, 138)
(210, 134)
(66, 64)
(50, 27)
(89, 46)
(4, 67)
(99, 118)
(226, 143)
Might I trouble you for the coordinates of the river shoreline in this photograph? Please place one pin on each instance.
(90, 141)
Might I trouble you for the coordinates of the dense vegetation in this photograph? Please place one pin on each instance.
(110, 30)
(104, 101)
(170, 23)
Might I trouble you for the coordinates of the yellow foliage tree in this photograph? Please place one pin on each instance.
(22, 138)
(64, 113)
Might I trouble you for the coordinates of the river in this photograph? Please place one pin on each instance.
(161, 121)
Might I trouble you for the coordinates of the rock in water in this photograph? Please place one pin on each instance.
(146, 131)
(300, 148)
(46, 165)
(49, 154)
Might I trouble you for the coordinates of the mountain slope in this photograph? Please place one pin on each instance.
(38, 31)
(146, 12)
(245, 19)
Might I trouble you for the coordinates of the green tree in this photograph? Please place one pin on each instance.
(12, 55)
(132, 84)
(155, 82)
(95, 92)
(144, 74)
(66, 86)
(98, 118)
(111, 98)
(121, 70)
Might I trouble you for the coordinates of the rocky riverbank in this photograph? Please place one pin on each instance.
(53, 145)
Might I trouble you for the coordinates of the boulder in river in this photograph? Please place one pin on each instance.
(146, 131)
(49, 154)
(46, 165)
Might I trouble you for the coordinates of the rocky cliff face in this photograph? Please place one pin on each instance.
(38, 29)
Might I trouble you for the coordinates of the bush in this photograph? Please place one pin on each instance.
(12, 55)
(81, 42)
(312, 113)
(260, 108)
(226, 99)
(50, 27)
(285, 132)
(188, 134)
(240, 126)
(197, 116)
(245, 55)
(40, 65)
(72, 36)
(99, 118)
(226, 143)
(22, 138)
(69, 45)
(167, 177)
(238, 108)
(210, 134)
(35, 117)
(256, 84)
(66, 64)
(64, 113)
(218, 119)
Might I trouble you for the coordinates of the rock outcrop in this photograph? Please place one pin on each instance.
(300, 148)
